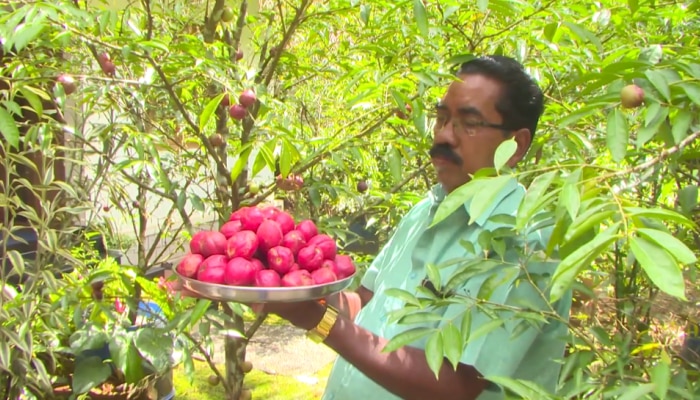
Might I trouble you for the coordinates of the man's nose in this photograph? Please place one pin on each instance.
(445, 134)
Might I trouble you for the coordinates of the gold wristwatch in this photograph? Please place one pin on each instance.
(323, 329)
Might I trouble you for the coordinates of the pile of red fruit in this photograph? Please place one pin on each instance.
(264, 247)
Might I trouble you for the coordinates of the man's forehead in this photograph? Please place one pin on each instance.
(470, 93)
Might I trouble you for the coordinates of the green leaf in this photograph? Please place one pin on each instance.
(472, 270)
(8, 128)
(660, 266)
(28, 33)
(89, 372)
(453, 344)
(494, 281)
(465, 327)
(584, 34)
(617, 134)
(17, 261)
(485, 198)
(482, 5)
(199, 310)
(587, 221)
(197, 203)
(637, 391)
(133, 371)
(208, 111)
(570, 197)
(406, 337)
(570, 266)
(456, 199)
(420, 317)
(661, 376)
(660, 214)
(681, 124)
(285, 158)
(486, 328)
(533, 198)
(154, 348)
(241, 162)
(692, 90)
(504, 152)
(395, 163)
(421, 17)
(434, 276)
(667, 241)
(654, 118)
(402, 295)
(434, 353)
(688, 198)
(658, 80)
(523, 388)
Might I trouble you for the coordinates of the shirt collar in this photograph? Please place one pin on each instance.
(438, 193)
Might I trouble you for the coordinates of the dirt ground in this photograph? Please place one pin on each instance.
(282, 349)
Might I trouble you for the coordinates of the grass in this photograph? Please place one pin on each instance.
(262, 385)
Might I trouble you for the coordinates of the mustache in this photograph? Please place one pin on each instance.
(446, 152)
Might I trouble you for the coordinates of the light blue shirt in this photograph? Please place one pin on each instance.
(531, 355)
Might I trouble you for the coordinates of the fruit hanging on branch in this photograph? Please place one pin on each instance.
(247, 98)
(404, 115)
(631, 96)
(216, 140)
(68, 83)
(237, 111)
(106, 64)
(291, 183)
(227, 14)
(362, 186)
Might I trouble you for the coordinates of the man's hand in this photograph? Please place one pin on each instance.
(305, 315)
(175, 286)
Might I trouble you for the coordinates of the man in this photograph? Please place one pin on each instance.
(492, 100)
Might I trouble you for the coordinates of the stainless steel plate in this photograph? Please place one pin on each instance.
(248, 294)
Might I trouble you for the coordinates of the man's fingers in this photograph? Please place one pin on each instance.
(258, 308)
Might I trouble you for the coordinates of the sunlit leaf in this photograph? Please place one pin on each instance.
(434, 353)
(452, 343)
(663, 270)
(8, 128)
(659, 82)
(667, 241)
(504, 152)
(617, 134)
(681, 124)
(421, 17)
(484, 199)
(571, 265)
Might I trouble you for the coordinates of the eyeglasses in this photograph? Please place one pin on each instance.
(467, 126)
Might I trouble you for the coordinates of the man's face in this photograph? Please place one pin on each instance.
(467, 130)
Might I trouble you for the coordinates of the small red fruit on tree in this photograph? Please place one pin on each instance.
(237, 111)
(247, 98)
(68, 83)
(631, 96)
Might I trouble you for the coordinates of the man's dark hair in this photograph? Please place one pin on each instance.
(521, 103)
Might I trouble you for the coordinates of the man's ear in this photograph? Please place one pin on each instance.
(523, 138)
